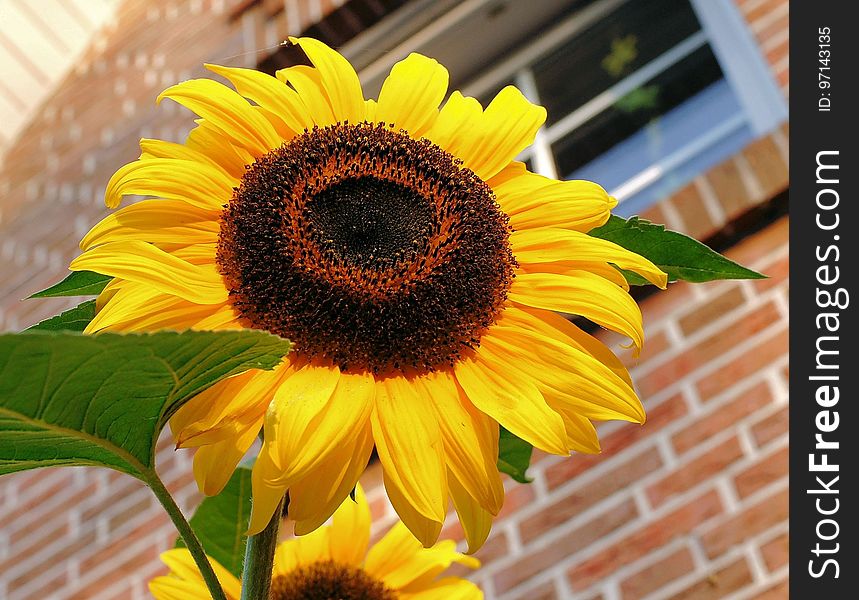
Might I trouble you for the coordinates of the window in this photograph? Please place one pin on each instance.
(641, 97)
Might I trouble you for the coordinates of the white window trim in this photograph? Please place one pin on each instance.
(742, 64)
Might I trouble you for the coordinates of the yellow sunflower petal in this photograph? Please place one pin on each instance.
(304, 550)
(551, 244)
(142, 262)
(228, 400)
(456, 119)
(512, 170)
(266, 495)
(314, 498)
(227, 111)
(560, 328)
(150, 148)
(533, 201)
(399, 561)
(225, 317)
(410, 446)
(209, 141)
(314, 411)
(181, 563)
(337, 77)
(156, 222)
(476, 521)
(470, 440)
(507, 127)
(581, 433)
(214, 464)
(423, 529)
(121, 301)
(307, 82)
(269, 93)
(604, 270)
(370, 110)
(584, 294)
(172, 588)
(515, 402)
(448, 588)
(200, 184)
(350, 530)
(566, 375)
(411, 94)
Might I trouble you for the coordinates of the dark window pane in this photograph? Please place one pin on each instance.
(609, 51)
(635, 110)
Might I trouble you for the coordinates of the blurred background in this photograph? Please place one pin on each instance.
(677, 107)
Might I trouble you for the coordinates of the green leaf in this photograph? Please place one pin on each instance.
(78, 283)
(220, 522)
(681, 256)
(68, 399)
(514, 456)
(74, 319)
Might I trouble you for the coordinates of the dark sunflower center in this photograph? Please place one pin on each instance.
(328, 581)
(367, 248)
(370, 222)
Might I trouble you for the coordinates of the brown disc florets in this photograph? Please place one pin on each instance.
(328, 580)
(368, 248)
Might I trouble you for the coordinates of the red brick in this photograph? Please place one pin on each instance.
(545, 591)
(570, 543)
(658, 417)
(655, 214)
(117, 571)
(776, 552)
(761, 474)
(692, 473)
(48, 586)
(766, 161)
(496, 547)
(727, 533)
(750, 250)
(751, 361)
(779, 591)
(106, 553)
(667, 303)
(771, 427)
(654, 345)
(689, 204)
(141, 504)
(708, 349)
(727, 182)
(584, 497)
(657, 575)
(69, 549)
(378, 508)
(760, 10)
(722, 583)
(774, 26)
(777, 273)
(722, 417)
(777, 53)
(653, 535)
(514, 499)
(716, 307)
(33, 503)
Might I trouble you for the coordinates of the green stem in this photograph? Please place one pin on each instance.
(259, 559)
(188, 536)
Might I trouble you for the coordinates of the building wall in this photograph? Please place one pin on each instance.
(693, 504)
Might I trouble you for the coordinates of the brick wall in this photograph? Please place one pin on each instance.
(768, 20)
(693, 504)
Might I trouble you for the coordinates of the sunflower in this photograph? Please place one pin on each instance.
(417, 267)
(333, 562)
